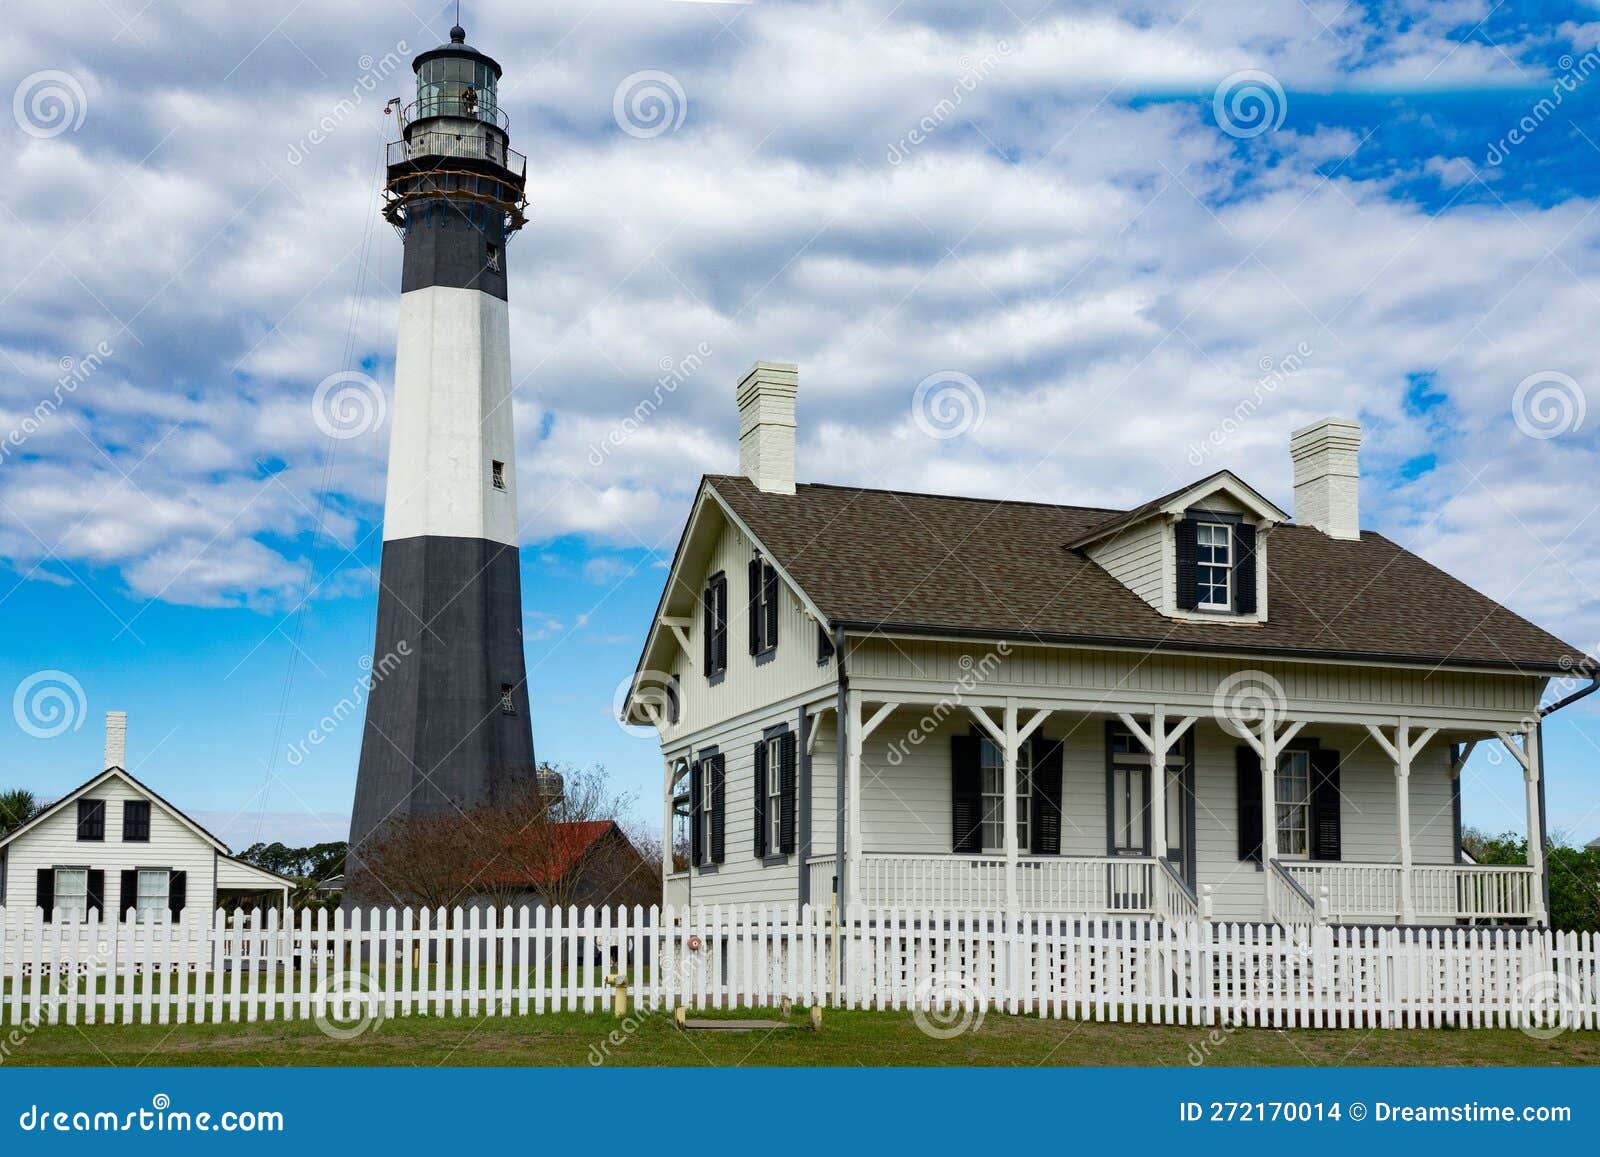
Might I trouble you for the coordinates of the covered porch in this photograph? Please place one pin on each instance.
(1174, 822)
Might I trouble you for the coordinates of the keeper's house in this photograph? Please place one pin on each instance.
(115, 849)
(1197, 708)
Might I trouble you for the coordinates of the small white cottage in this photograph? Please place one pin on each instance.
(115, 848)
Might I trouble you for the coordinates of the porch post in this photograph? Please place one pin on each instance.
(853, 790)
(1008, 810)
(666, 827)
(1402, 809)
(1269, 790)
(1158, 784)
(1530, 779)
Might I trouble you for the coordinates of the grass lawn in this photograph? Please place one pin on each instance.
(847, 1038)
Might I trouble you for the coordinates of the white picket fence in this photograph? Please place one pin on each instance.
(521, 962)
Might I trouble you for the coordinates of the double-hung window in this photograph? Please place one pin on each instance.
(774, 793)
(993, 766)
(153, 890)
(707, 819)
(1293, 792)
(72, 893)
(1214, 565)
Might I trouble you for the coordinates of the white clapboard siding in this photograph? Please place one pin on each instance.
(950, 967)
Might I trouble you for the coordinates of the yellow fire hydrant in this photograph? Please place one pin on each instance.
(619, 994)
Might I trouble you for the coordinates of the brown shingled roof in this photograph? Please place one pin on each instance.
(928, 563)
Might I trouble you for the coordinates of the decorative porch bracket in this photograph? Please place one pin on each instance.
(1158, 741)
(1528, 756)
(1266, 741)
(679, 626)
(1010, 738)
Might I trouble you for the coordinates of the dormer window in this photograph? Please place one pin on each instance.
(1216, 563)
(1214, 566)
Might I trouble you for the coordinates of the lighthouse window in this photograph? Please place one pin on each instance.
(491, 256)
(498, 474)
(508, 705)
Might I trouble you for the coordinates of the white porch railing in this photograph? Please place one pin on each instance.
(1289, 902)
(1372, 892)
(1077, 884)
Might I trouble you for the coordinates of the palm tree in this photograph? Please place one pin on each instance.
(17, 807)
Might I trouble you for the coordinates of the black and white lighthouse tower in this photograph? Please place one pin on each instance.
(447, 718)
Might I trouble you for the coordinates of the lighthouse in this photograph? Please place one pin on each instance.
(447, 720)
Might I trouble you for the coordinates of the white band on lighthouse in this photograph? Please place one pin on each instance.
(452, 419)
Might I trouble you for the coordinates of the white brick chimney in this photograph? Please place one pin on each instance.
(1327, 476)
(117, 739)
(766, 425)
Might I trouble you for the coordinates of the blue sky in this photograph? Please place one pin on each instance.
(1042, 197)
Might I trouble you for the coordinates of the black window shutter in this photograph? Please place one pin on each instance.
(1184, 535)
(718, 811)
(786, 784)
(1325, 828)
(97, 892)
(45, 892)
(1248, 764)
(91, 819)
(1044, 825)
(136, 820)
(128, 895)
(177, 893)
(966, 793)
(1244, 569)
(769, 605)
(755, 605)
(696, 772)
(824, 644)
(761, 798)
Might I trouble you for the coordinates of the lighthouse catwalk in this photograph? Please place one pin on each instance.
(447, 725)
